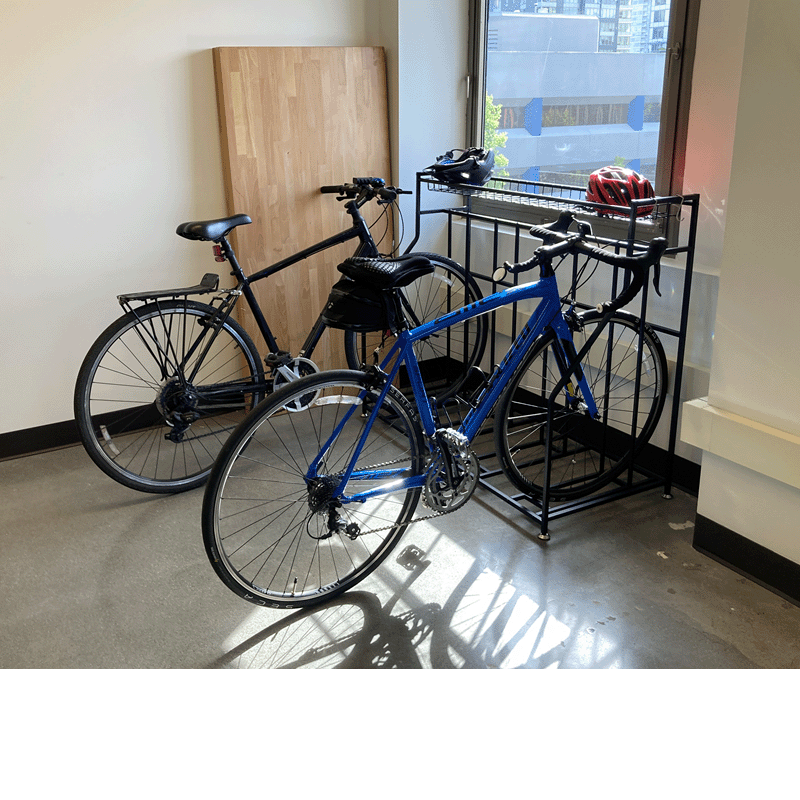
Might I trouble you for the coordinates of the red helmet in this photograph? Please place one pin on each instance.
(617, 186)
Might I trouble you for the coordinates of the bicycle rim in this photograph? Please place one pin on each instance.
(152, 413)
(445, 357)
(585, 453)
(267, 525)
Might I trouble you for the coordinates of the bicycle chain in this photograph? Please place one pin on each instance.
(410, 522)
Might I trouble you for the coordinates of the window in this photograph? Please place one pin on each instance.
(581, 85)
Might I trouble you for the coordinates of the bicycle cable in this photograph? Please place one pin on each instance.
(581, 281)
(395, 241)
(402, 226)
(382, 215)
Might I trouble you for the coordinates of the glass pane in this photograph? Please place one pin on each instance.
(574, 85)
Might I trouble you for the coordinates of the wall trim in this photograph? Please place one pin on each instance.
(748, 558)
(764, 449)
(16, 444)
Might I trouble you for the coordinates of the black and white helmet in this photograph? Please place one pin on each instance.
(473, 165)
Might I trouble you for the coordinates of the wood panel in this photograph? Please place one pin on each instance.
(293, 119)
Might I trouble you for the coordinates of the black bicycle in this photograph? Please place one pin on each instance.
(163, 385)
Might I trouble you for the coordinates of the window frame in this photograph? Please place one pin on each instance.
(675, 104)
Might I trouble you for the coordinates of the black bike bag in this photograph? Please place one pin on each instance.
(354, 306)
(364, 300)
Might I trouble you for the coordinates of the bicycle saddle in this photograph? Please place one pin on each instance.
(211, 230)
(386, 273)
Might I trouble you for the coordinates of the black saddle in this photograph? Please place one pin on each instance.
(386, 273)
(211, 230)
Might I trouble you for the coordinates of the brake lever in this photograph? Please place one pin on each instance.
(387, 196)
(657, 276)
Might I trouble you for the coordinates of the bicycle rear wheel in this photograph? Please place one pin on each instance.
(445, 357)
(274, 529)
(160, 391)
(585, 453)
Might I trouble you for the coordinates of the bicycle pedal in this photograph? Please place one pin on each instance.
(275, 360)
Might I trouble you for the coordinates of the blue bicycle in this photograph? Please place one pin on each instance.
(320, 481)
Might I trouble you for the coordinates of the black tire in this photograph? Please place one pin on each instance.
(446, 357)
(136, 379)
(586, 453)
(266, 528)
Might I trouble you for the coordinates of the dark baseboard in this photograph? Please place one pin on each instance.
(748, 558)
(686, 474)
(37, 440)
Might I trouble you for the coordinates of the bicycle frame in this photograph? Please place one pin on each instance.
(547, 314)
(359, 230)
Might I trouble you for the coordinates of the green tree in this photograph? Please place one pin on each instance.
(492, 138)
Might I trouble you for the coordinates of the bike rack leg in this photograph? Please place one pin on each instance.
(548, 441)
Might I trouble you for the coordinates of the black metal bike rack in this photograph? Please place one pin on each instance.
(668, 214)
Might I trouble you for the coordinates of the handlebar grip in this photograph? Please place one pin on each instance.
(644, 260)
(558, 229)
(331, 189)
(561, 247)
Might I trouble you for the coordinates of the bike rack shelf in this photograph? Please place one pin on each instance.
(674, 217)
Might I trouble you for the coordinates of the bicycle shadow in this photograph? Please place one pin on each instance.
(486, 623)
(353, 631)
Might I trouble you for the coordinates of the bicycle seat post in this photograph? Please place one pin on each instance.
(223, 251)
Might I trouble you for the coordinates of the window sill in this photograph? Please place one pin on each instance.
(536, 203)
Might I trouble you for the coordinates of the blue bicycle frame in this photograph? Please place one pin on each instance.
(546, 314)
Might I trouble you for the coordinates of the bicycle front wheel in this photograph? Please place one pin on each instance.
(445, 357)
(585, 453)
(277, 526)
(160, 391)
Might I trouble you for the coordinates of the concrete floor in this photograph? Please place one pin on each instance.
(94, 575)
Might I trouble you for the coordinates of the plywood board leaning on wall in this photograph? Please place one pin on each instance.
(293, 119)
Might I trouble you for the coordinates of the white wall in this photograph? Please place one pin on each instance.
(426, 54)
(755, 374)
(109, 128)
(109, 135)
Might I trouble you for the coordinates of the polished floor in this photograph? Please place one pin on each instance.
(94, 575)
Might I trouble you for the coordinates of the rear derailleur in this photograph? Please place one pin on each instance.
(320, 501)
(177, 402)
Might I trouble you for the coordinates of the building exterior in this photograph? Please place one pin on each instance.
(579, 83)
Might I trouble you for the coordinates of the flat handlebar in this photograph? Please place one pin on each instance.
(364, 189)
